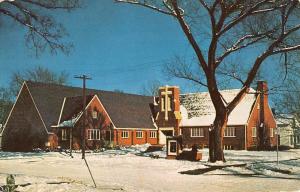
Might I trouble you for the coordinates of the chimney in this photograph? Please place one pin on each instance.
(262, 91)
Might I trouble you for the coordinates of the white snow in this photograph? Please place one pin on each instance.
(129, 170)
(5, 0)
(199, 109)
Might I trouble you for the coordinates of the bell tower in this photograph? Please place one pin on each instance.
(168, 117)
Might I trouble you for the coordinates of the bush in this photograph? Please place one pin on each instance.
(10, 184)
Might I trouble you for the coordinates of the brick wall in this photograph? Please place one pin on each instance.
(172, 120)
(237, 142)
(255, 119)
(132, 137)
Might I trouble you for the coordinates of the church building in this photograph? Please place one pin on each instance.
(52, 116)
(191, 116)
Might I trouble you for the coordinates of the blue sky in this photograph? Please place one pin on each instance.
(120, 46)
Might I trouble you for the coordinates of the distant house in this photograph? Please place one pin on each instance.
(191, 115)
(48, 116)
(289, 130)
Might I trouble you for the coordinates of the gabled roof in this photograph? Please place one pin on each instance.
(73, 106)
(125, 110)
(197, 108)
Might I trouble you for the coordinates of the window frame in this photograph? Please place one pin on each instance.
(231, 133)
(139, 136)
(271, 132)
(169, 103)
(163, 104)
(153, 134)
(124, 133)
(93, 134)
(95, 114)
(198, 133)
(254, 135)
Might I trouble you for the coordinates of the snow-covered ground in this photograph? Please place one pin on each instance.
(130, 170)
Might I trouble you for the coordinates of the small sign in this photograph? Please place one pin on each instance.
(172, 148)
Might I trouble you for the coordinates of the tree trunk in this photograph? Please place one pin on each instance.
(211, 145)
(216, 134)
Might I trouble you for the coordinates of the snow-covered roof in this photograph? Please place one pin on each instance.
(286, 120)
(197, 108)
(71, 122)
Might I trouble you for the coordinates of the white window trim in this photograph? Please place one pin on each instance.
(127, 133)
(271, 132)
(200, 128)
(162, 104)
(64, 135)
(153, 134)
(253, 135)
(230, 135)
(142, 134)
(169, 103)
(95, 114)
(94, 131)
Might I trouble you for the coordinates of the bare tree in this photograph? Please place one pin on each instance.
(37, 74)
(43, 31)
(151, 88)
(266, 27)
(5, 104)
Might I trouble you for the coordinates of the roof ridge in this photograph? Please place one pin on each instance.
(89, 89)
(206, 92)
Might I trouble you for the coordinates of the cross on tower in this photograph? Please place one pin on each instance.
(166, 94)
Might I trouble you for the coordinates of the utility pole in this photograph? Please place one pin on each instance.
(84, 78)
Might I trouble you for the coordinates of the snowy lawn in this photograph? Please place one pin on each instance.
(130, 170)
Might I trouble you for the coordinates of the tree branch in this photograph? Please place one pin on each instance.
(147, 6)
(190, 37)
(69, 5)
(286, 49)
(235, 47)
(251, 11)
(232, 75)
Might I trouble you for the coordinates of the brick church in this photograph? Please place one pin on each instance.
(51, 116)
(191, 115)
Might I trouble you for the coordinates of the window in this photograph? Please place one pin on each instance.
(169, 99)
(197, 132)
(271, 132)
(152, 134)
(139, 134)
(169, 103)
(253, 131)
(229, 132)
(93, 134)
(95, 115)
(162, 104)
(64, 134)
(125, 134)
